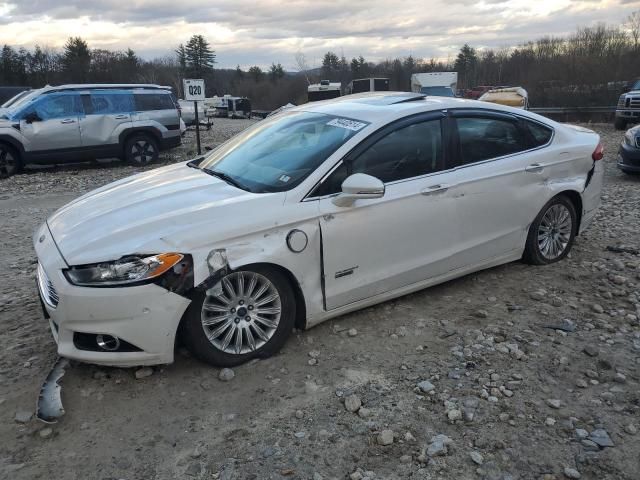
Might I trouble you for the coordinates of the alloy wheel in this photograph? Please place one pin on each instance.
(143, 151)
(241, 313)
(554, 232)
(8, 163)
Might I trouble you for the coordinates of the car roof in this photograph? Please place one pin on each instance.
(103, 86)
(383, 107)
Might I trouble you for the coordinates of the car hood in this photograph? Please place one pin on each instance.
(172, 208)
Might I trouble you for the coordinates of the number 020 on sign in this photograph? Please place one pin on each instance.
(194, 89)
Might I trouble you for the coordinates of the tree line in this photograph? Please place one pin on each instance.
(585, 68)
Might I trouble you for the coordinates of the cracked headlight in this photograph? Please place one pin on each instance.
(126, 271)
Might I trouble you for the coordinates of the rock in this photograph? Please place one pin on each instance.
(601, 438)
(426, 386)
(591, 350)
(554, 403)
(408, 437)
(194, 469)
(45, 432)
(352, 332)
(538, 295)
(439, 446)
(299, 414)
(631, 429)
(317, 476)
(226, 375)
(589, 446)
(566, 325)
(476, 457)
(550, 422)
(571, 473)
(364, 412)
(620, 378)
(314, 353)
(454, 415)
(481, 314)
(405, 459)
(313, 361)
(581, 433)
(23, 416)
(144, 372)
(581, 383)
(597, 308)
(99, 375)
(385, 437)
(352, 403)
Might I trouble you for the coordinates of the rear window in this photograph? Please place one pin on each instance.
(153, 101)
(541, 134)
(111, 102)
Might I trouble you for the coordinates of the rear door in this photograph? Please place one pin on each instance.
(56, 123)
(108, 114)
(500, 181)
(156, 109)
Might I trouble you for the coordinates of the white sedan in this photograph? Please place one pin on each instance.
(318, 211)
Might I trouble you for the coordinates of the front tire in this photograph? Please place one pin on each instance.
(552, 233)
(619, 123)
(141, 149)
(10, 162)
(248, 314)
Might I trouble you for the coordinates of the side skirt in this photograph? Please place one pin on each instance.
(352, 307)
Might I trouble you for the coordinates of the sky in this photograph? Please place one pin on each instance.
(259, 32)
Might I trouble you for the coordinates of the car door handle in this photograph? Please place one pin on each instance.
(68, 120)
(121, 117)
(534, 168)
(435, 189)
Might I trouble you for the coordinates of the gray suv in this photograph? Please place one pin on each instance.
(78, 122)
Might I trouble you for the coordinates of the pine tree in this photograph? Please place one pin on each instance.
(76, 59)
(199, 56)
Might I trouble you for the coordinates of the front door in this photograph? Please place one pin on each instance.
(378, 245)
(53, 124)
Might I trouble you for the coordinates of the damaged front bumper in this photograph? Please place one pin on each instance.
(120, 326)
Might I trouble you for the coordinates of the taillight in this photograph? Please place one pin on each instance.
(598, 153)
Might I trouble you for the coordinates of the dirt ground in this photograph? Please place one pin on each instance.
(504, 392)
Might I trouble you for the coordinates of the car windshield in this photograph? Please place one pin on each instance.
(280, 152)
(636, 85)
(17, 107)
(437, 91)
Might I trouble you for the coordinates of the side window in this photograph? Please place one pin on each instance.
(57, 106)
(153, 101)
(485, 138)
(407, 152)
(541, 133)
(104, 103)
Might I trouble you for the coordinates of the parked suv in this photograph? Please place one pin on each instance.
(78, 122)
(628, 109)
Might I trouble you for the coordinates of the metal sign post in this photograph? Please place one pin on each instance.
(194, 91)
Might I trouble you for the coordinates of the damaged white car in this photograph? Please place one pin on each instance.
(317, 211)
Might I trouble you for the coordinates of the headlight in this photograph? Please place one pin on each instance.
(127, 270)
(629, 138)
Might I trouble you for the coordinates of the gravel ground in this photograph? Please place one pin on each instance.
(517, 372)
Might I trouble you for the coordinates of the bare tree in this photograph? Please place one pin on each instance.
(633, 25)
(301, 63)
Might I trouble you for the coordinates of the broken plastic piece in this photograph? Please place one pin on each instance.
(49, 407)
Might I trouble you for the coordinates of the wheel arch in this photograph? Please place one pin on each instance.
(576, 199)
(125, 135)
(12, 142)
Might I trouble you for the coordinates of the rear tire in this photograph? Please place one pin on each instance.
(10, 162)
(552, 233)
(249, 314)
(620, 123)
(141, 149)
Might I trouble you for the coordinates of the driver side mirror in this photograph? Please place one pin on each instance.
(359, 186)
(32, 117)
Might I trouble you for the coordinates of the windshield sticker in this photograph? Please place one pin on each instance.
(346, 123)
(284, 178)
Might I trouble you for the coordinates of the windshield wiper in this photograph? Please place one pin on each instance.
(195, 163)
(226, 178)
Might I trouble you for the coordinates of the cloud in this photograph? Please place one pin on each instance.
(246, 32)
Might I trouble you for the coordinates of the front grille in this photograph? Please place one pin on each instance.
(634, 102)
(47, 290)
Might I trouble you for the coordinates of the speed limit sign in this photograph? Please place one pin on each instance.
(194, 89)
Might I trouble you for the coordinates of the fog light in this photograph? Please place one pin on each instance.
(108, 342)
